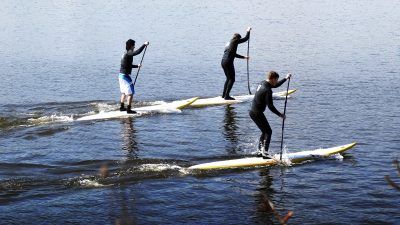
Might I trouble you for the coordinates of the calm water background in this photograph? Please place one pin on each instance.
(61, 58)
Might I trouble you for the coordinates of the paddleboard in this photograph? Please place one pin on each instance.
(174, 106)
(238, 99)
(296, 157)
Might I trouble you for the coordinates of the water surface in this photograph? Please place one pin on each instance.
(60, 60)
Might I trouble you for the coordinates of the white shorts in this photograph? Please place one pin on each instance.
(126, 84)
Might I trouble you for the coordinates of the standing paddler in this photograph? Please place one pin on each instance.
(262, 99)
(125, 81)
(227, 62)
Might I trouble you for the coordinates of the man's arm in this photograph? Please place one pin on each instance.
(239, 56)
(245, 38)
(138, 51)
(270, 104)
(288, 76)
(280, 83)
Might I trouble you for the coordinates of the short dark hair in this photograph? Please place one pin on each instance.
(236, 36)
(272, 75)
(129, 44)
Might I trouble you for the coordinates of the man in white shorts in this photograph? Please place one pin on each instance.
(125, 80)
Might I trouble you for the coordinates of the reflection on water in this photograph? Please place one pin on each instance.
(230, 129)
(128, 135)
(263, 196)
(124, 212)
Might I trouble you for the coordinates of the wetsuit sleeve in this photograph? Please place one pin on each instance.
(280, 83)
(138, 51)
(135, 66)
(239, 56)
(270, 104)
(245, 38)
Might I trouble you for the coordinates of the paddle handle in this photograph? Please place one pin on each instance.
(248, 74)
(141, 61)
(284, 117)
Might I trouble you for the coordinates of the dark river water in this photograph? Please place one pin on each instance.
(60, 60)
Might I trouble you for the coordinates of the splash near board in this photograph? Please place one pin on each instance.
(174, 106)
(204, 102)
(297, 157)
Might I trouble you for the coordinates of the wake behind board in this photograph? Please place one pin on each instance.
(238, 99)
(166, 107)
(297, 157)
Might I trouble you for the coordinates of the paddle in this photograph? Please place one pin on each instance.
(248, 76)
(141, 61)
(283, 122)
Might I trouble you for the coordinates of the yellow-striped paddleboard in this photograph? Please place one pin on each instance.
(203, 102)
(297, 157)
(165, 107)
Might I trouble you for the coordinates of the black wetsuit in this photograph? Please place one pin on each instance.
(262, 99)
(127, 59)
(227, 63)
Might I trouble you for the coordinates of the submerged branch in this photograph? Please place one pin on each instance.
(390, 181)
(268, 206)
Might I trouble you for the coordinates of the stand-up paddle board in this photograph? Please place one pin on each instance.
(297, 157)
(166, 107)
(238, 99)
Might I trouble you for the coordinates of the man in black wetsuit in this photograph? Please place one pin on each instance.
(125, 80)
(262, 99)
(227, 62)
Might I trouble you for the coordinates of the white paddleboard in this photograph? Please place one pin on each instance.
(174, 106)
(297, 157)
(238, 99)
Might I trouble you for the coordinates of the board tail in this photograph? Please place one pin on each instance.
(187, 103)
(286, 93)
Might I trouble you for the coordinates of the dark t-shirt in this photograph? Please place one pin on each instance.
(127, 59)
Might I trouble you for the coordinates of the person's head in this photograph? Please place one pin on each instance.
(236, 36)
(130, 44)
(272, 77)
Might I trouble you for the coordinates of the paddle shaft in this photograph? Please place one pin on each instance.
(248, 74)
(283, 122)
(141, 61)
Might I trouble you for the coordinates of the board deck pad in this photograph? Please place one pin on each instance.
(296, 157)
(204, 102)
(174, 106)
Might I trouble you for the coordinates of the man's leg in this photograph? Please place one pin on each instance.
(261, 142)
(131, 92)
(231, 81)
(122, 100)
(225, 86)
(226, 71)
(267, 137)
(261, 121)
(129, 100)
(129, 107)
